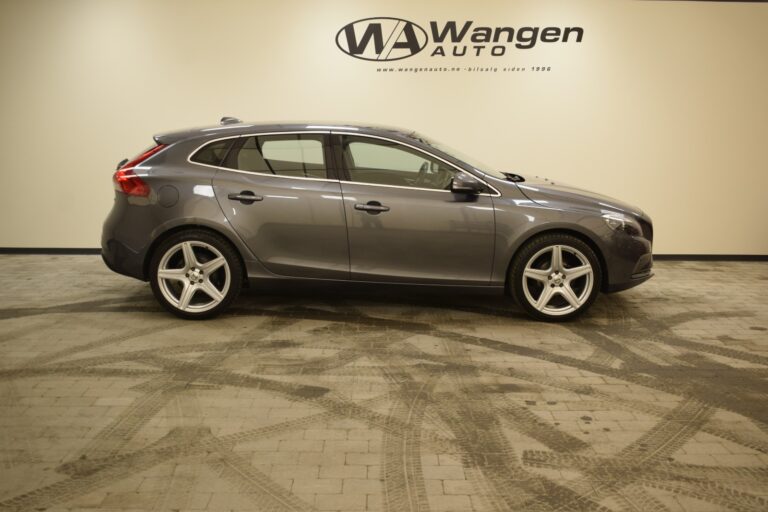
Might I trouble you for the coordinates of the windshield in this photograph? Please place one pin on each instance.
(480, 166)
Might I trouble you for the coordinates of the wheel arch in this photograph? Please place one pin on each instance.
(560, 231)
(164, 235)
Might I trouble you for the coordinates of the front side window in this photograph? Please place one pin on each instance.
(297, 155)
(474, 162)
(384, 162)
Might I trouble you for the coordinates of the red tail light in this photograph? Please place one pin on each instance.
(127, 181)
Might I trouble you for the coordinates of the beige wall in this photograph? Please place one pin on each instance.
(663, 104)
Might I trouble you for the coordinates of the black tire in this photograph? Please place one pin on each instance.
(558, 308)
(226, 279)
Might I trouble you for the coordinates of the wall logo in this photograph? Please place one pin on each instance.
(386, 39)
(381, 39)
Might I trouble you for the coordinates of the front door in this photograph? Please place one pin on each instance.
(403, 222)
(278, 195)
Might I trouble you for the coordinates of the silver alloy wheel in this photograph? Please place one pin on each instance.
(185, 281)
(558, 280)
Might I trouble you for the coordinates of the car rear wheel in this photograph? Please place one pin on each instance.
(195, 274)
(555, 277)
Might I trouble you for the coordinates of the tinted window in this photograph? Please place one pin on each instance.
(282, 155)
(213, 153)
(388, 163)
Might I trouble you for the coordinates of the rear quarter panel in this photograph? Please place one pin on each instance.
(181, 195)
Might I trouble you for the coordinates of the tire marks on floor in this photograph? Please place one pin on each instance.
(440, 402)
(404, 488)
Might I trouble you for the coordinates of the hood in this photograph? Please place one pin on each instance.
(561, 196)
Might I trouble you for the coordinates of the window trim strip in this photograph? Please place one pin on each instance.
(329, 133)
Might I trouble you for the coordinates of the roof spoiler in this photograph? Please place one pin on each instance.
(172, 137)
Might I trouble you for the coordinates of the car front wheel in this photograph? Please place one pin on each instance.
(195, 274)
(555, 277)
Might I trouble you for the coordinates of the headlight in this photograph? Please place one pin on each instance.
(620, 222)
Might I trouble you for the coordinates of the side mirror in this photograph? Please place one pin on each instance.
(464, 183)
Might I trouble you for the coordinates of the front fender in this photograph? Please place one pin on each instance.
(518, 222)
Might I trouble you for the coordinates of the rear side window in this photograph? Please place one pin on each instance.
(297, 155)
(213, 153)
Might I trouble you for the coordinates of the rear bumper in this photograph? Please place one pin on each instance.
(119, 242)
(121, 259)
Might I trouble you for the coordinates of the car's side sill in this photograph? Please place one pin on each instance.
(298, 284)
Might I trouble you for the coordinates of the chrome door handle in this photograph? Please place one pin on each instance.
(373, 207)
(245, 197)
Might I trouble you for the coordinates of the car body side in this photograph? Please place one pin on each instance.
(183, 196)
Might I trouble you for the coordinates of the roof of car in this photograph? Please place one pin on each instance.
(238, 128)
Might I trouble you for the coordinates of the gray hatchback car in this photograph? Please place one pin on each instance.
(207, 211)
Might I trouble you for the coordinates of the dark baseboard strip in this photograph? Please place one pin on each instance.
(657, 257)
(49, 250)
(710, 257)
(720, 1)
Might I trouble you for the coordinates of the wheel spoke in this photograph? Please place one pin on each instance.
(189, 255)
(566, 266)
(557, 258)
(577, 272)
(544, 298)
(209, 289)
(211, 266)
(183, 288)
(569, 295)
(176, 274)
(186, 296)
(536, 274)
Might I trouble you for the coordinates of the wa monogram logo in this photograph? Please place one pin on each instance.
(381, 39)
(385, 39)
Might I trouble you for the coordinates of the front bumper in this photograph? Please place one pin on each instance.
(630, 263)
(633, 281)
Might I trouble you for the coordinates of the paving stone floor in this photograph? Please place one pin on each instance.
(330, 400)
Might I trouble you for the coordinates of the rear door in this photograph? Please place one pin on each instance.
(281, 198)
(404, 223)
